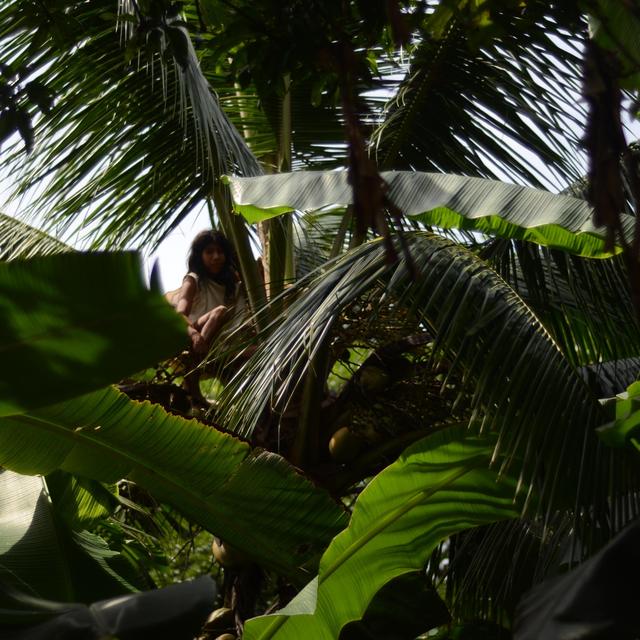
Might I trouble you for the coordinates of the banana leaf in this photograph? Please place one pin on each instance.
(251, 498)
(402, 610)
(72, 323)
(440, 485)
(80, 502)
(177, 612)
(41, 556)
(445, 201)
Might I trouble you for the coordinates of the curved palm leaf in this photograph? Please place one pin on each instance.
(20, 240)
(583, 303)
(438, 486)
(117, 152)
(213, 478)
(74, 322)
(446, 201)
(519, 383)
(483, 102)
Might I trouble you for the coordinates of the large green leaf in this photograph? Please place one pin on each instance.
(446, 201)
(253, 499)
(440, 485)
(39, 555)
(74, 322)
(510, 376)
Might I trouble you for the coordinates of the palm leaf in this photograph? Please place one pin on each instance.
(446, 201)
(515, 380)
(583, 303)
(213, 478)
(116, 154)
(20, 240)
(438, 486)
(472, 101)
(75, 322)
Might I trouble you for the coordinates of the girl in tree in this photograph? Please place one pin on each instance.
(210, 294)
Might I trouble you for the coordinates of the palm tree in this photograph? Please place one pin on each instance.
(492, 334)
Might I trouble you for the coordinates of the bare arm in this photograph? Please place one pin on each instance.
(186, 295)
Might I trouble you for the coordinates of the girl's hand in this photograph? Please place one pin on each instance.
(199, 344)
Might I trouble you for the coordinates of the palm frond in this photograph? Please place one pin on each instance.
(493, 341)
(121, 153)
(486, 107)
(19, 240)
(585, 304)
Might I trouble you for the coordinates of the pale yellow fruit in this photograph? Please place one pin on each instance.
(344, 446)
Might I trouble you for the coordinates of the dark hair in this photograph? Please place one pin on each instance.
(228, 274)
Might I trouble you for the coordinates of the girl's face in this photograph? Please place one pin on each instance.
(213, 259)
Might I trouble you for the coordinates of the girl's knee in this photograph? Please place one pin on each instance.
(219, 312)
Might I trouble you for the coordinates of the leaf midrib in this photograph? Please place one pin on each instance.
(168, 481)
(383, 523)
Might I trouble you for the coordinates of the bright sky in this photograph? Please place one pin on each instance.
(172, 253)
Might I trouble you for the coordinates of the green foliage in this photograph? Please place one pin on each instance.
(616, 27)
(344, 368)
(80, 502)
(64, 317)
(445, 201)
(41, 556)
(139, 133)
(203, 472)
(623, 430)
(438, 486)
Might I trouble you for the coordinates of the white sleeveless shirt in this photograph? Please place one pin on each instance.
(209, 295)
